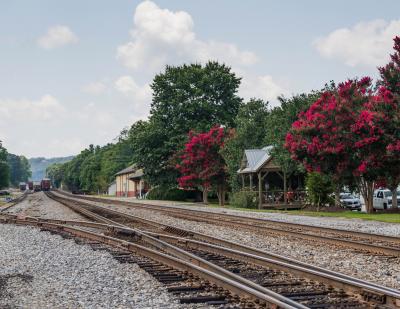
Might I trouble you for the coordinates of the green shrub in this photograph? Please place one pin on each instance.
(165, 193)
(244, 199)
(319, 189)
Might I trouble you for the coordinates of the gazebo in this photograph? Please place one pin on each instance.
(260, 172)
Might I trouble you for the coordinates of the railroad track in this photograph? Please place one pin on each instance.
(14, 202)
(309, 286)
(190, 282)
(367, 242)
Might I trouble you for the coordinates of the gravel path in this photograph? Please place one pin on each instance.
(41, 270)
(382, 270)
(368, 226)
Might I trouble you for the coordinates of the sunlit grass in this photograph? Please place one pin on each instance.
(383, 217)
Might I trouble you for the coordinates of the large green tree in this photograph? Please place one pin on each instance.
(251, 124)
(188, 97)
(20, 169)
(56, 174)
(4, 168)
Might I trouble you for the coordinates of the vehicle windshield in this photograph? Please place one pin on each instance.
(388, 193)
(346, 196)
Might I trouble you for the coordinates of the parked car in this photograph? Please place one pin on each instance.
(383, 199)
(350, 201)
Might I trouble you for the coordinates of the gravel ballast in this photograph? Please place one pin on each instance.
(41, 270)
(379, 269)
(358, 225)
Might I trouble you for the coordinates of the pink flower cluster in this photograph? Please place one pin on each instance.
(201, 161)
(346, 130)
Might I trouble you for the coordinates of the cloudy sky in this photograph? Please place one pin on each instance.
(76, 72)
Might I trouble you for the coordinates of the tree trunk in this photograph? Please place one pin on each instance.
(260, 195)
(285, 200)
(205, 195)
(367, 191)
(337, 196)
(221, 195)
(394, 197)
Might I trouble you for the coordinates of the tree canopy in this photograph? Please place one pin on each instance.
(20, 169)
(188, 97)
(4, 167)
(250, 124)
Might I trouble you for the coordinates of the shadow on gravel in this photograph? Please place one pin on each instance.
(4, 280)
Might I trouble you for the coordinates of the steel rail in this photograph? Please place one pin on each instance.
(381, 294)
(199, 267)
(179, 253)
(258, 257)
(331, 240)
(240, 247)
(368, 236)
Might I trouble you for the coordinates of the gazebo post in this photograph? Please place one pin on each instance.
(242, 181)
(284, 188)
(251, 181)
(259, 190)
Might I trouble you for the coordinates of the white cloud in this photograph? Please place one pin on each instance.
(45, 127)
(43, 109)
(128, 86)
(57, 36)
(95, 88)
(161, 36)
(366, 44)
(263, 87)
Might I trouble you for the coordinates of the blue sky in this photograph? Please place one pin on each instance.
(77, 72)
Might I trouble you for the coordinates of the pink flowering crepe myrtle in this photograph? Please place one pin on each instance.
(346, 132)
(201, 163)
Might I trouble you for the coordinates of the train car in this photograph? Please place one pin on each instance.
(30, 185)
(45, 184)
(37, 186)
(22, 186)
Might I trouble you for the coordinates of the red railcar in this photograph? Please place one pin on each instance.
(30, 185)
(45, 184)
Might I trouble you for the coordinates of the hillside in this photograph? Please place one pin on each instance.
(39, 165)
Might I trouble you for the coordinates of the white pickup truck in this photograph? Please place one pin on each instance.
(383, 199)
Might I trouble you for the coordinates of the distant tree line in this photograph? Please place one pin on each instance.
(13, 168)
(346, 134)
